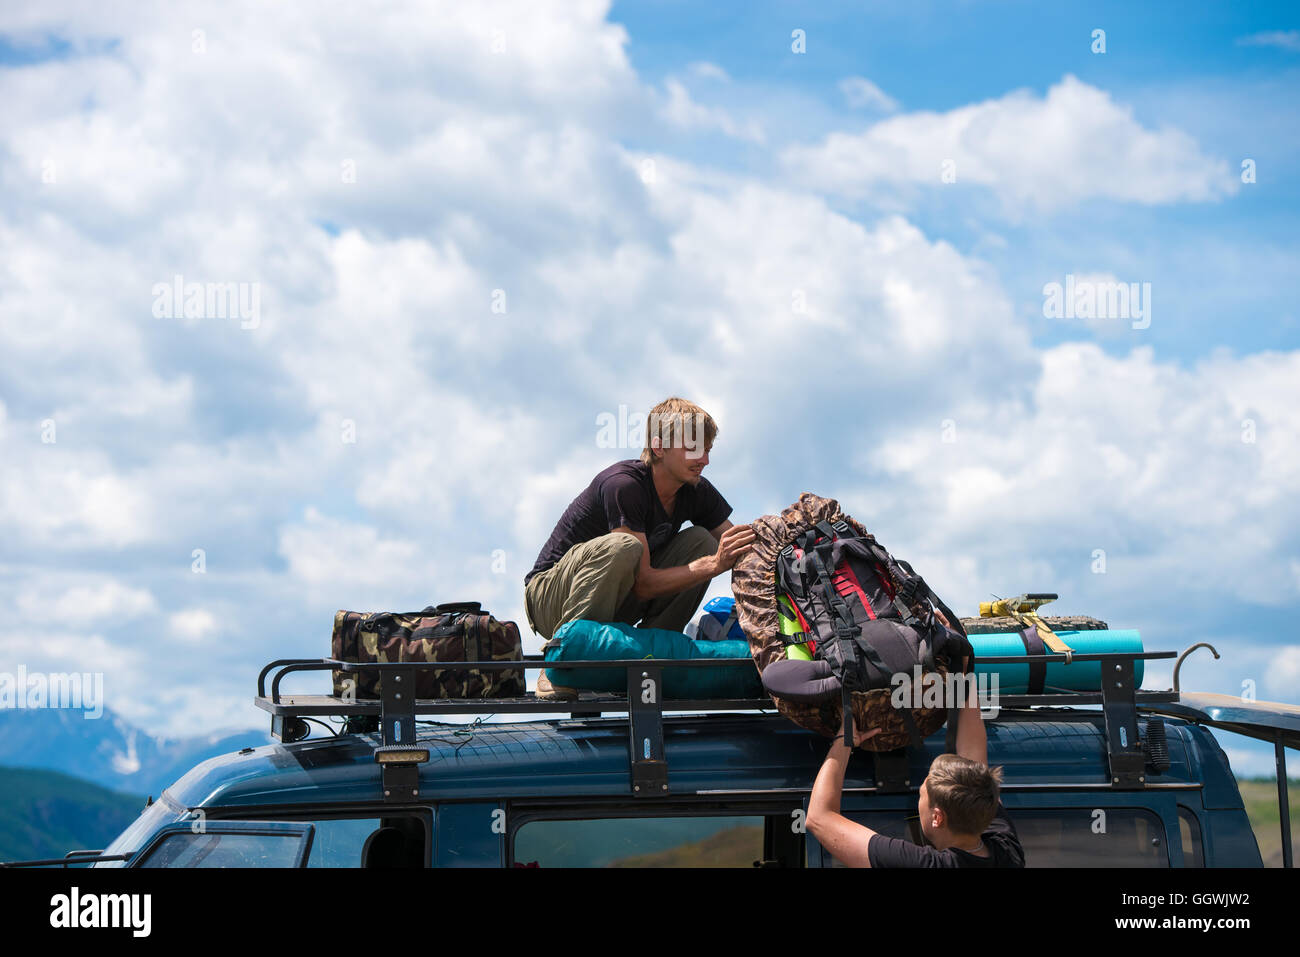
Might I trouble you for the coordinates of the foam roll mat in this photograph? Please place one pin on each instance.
(1057, 676)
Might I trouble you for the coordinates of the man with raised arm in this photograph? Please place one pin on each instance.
(618, 552)
(962, 816)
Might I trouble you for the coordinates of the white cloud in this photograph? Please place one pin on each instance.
(73, 500)
(709, 71)
(1282, 675)
(1127, 454)
(106, 601)
(1283, 39)
(192, 624)
(325, 551)
(1112, 307)
(1035, 154)
(860, 93)
(682, 111)
(51, 651)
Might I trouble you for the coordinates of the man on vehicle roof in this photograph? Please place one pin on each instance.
(962, 816)
(618, 552)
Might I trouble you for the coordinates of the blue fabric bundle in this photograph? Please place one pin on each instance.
(717, 612)
(599, 641)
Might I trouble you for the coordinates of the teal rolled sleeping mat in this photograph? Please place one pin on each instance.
(600, 641)
(1057, 676)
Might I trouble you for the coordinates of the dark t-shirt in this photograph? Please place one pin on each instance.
(624, 495)
(999, 838)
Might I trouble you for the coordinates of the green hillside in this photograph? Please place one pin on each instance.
(1259, 795)
(734, 847)
(45, 814)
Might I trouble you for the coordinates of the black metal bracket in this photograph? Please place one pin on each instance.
(892, 771)
(397, 707)
(646, 731)
(1123, 743)
(401, 782)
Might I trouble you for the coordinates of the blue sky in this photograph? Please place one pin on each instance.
(659, 198)
(1211, 71)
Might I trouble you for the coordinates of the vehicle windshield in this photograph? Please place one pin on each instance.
(162, 812)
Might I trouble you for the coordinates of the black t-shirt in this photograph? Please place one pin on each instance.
(624, 495)
(999, 838)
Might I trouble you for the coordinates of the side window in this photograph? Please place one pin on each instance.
(1189, 829)
(369, 842)
(1061, 837)
(399, 841)
(158, 815)
(470, 835)
(641, 842)
(1091, 837)
(185, 849)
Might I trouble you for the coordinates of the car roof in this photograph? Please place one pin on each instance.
(707, 753)
(1266, 720)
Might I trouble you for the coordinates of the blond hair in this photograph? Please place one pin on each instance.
(966, 791)
(676, 421)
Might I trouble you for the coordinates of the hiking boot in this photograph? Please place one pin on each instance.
(552, 692)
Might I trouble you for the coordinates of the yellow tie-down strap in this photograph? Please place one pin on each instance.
(1005, 609)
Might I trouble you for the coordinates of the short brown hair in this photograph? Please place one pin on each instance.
(675, 419)
(966, 791)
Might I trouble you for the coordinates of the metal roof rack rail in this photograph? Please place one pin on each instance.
(645, 705)
(1119, 698)
(397, 709)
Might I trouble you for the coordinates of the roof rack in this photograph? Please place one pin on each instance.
(399, 752)
(397, 713)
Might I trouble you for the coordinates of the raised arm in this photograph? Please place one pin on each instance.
(845, 840)
(972, 740)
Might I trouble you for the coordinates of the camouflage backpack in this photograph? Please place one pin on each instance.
(862, 615)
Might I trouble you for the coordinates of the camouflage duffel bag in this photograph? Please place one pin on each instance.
(457, 631)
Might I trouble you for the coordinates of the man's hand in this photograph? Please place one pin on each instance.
(734, 542)
(858, 737)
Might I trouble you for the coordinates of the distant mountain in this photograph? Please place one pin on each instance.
(107, 750)
(45, 814)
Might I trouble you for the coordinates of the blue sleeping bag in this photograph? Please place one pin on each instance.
(599, 641)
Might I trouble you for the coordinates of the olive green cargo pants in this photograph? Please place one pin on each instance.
(594, 581)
